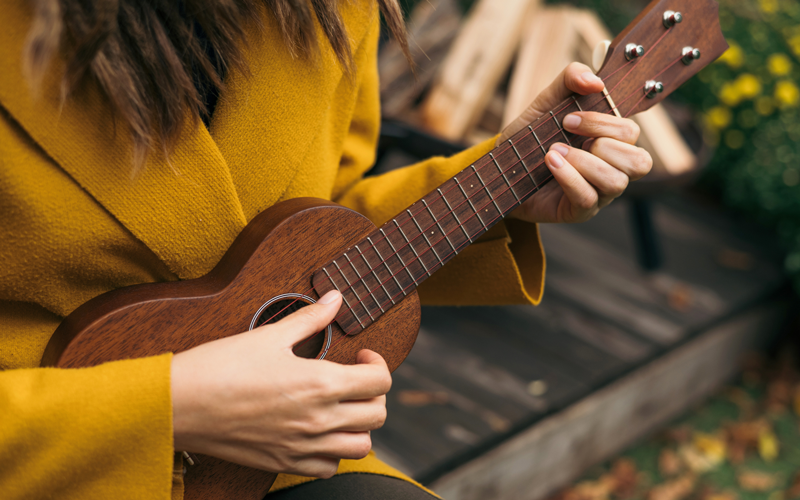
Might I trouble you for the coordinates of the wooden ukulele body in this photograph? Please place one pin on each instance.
(276, 254)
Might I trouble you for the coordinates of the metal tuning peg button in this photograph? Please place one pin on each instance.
(690, 55)
(632, 51)
(671, 18)
(652, 88)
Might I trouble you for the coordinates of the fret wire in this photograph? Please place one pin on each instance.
(503, 173)
(425, 237)
(485, 187)
(398, 254)
(377, 279)
(386, 265)
(470, 203)
(576, 103)
(438, 225)
(364, 285)
(346, 302)
(454, 215)
(555, 119)
(535, 185)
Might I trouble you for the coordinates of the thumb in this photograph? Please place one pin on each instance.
(368, 357)
(309, 320)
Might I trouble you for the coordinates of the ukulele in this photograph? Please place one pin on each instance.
(263, 277)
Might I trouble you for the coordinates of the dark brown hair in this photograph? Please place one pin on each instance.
(146, 54)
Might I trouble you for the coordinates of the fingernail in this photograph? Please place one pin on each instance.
(560, 149)
(590, 77)
(329, 297)
(571, 122)
(555, 160)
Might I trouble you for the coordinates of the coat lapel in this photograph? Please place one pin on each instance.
(187, 211)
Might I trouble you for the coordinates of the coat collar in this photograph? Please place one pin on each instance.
(187, 210)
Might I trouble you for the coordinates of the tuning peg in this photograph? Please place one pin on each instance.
(632, 51)
(672, 18)
(652, 88)
(599, 54)
(690, 55)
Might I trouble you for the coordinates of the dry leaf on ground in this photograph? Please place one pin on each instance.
(677, 489)
(756, 480)
(626, 477)
(669, 464)
(591, 490)
(421, 398)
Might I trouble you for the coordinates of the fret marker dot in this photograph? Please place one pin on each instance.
(471, 185)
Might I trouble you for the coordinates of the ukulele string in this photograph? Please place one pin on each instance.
(471, 198)
(464, 244)
(633, 61)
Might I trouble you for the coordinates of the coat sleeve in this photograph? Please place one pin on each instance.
(101, 432)
(505, 266)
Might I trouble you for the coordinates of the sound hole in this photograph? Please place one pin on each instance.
(279, 309)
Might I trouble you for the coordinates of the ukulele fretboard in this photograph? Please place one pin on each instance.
(394, 259)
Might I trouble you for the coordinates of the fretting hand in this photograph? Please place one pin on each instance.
(248, 399)
(586, 181)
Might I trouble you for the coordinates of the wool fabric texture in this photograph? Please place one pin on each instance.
(76, 224)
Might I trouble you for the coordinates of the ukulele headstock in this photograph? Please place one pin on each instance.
(668, 43)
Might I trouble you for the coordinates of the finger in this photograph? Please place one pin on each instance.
(581, 195)
(323, 467)
(343, 445)
(633, 161)
(359, 416)
(364, 380)
(576, 78)
(309, 320)
(608, 181)
(591, 124)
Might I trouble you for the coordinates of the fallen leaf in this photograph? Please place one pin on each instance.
(593, 490)
(694, 460)
(741, 398)
(768, 446)
(710, 447)
(669, 464)
(756, 480)
(734, 259)
(725, 495)
(779, 394)
(680, 434)
(680, 297)
(746, 434)
(421, 398)
(625, 475)
(736, 453)
(676, 489)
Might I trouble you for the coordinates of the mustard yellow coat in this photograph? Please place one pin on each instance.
(74, 224)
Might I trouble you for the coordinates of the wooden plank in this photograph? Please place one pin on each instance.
(432, 27)
(478, 59)
(555, 451)
(548, 46)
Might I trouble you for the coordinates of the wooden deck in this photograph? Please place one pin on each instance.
(484, 382)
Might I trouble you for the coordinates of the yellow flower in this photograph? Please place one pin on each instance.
(719, 117)
(768, 446)
(765, 106)
(730, 94)
(734, 56)
(779, 64)
(794, 43)
(768, 6)
(786, 93)
(749, 86)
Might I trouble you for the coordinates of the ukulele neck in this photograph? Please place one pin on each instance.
(393, 260)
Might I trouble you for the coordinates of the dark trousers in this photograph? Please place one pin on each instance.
(354, 487)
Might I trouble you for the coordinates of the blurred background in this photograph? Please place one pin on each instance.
(662, 362)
